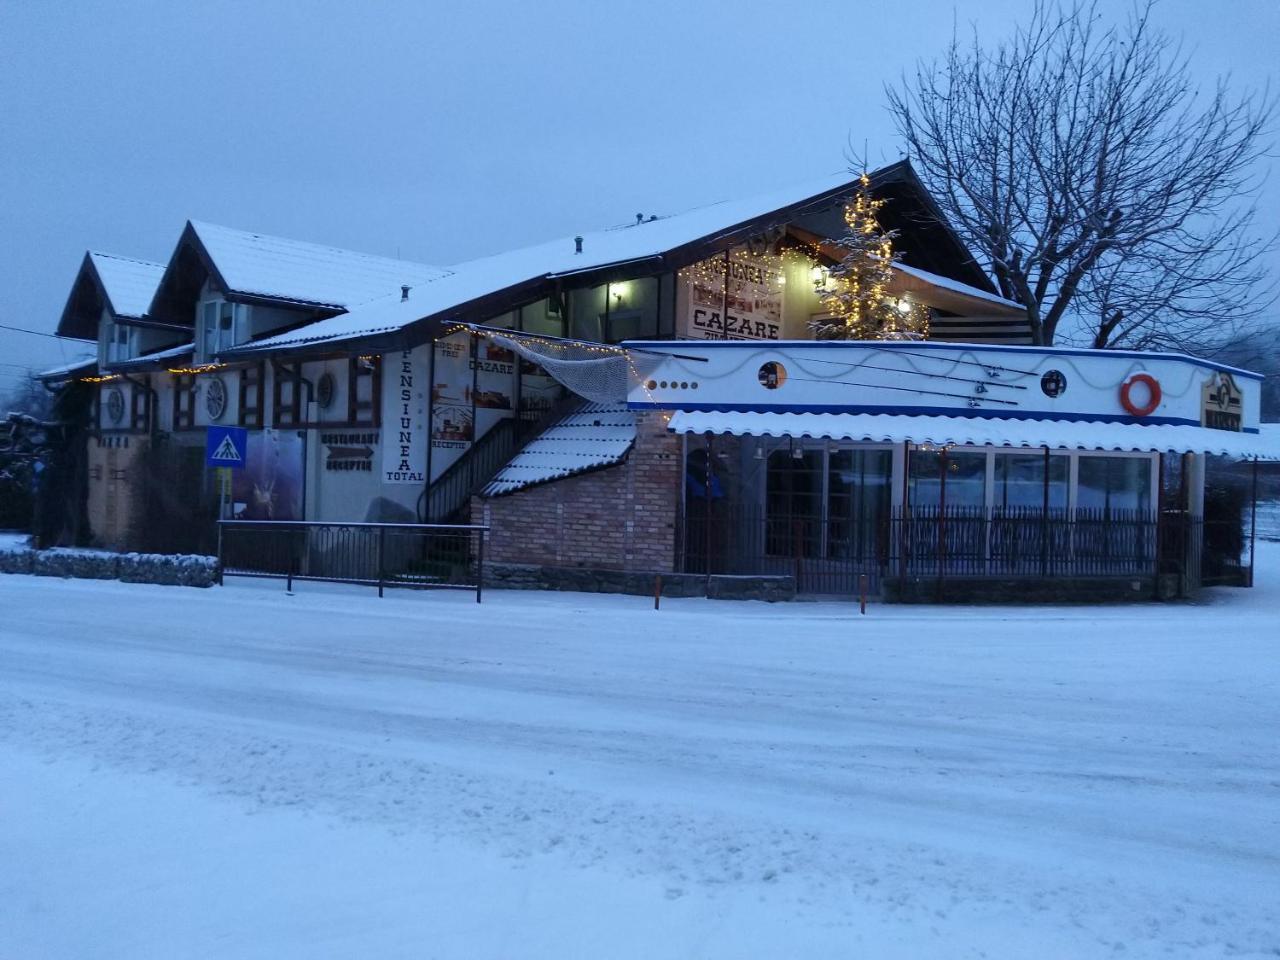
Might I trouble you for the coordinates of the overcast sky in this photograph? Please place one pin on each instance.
(441, 132)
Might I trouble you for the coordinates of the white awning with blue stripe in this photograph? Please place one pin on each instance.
(986, 432)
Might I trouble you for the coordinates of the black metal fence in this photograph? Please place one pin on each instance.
(827, 555)
(421, 555)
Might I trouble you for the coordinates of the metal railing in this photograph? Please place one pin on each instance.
(827, 554)
(452, 490)
(450, 494)
(418, 555)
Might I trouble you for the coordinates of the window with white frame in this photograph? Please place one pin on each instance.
(120, 341)
(221, 323)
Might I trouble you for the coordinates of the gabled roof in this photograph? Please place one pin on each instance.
(492, 285)
(256, 267)
(122, 285)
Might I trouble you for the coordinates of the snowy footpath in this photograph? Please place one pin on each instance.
(237, 773)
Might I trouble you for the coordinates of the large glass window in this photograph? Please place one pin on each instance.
(858, 494)
(953, 477)
(543, 317)
(633, 310)
(1019, 481)
(830, 504)
(586, 313)
(1114, 483)
(793, 501)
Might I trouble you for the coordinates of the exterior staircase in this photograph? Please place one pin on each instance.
(448, 499)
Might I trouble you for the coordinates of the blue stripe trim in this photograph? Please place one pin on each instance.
(687, 345)
(929, 412)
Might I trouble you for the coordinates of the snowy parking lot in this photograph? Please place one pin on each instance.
(239, 773)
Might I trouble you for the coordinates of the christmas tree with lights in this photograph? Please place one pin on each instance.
(855, 292)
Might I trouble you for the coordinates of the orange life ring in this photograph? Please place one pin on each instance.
(1153, 395)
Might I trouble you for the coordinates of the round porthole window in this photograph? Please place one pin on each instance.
(115, 404)
(1054, 383)
(215, 398)
(326, 386)
(772, 375)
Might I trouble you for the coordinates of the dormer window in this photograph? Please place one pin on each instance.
(120, 343)
(221, 324)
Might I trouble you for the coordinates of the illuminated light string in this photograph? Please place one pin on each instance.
(206, 368)
(553, 344)
(855, 291)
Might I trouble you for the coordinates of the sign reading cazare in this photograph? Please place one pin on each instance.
(1221, 403)
(404, 415)
(745, 305)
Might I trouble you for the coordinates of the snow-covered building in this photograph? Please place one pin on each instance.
(649, 400)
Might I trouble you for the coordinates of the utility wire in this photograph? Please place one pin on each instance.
(34, 333)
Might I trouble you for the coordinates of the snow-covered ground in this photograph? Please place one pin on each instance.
(239, 773)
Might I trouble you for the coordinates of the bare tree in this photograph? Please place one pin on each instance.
(1101, 189)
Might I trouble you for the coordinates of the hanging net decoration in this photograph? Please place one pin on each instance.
(596, 372)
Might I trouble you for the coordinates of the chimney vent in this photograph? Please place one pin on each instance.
(404, 293)
(577, 244)
(639, 218)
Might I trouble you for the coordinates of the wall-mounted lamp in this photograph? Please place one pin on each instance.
(904, 306)
(618, 291)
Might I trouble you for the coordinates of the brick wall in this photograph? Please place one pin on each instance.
(618, 518)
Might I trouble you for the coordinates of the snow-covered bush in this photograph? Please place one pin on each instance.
(16, 559)
(183, 570)
(81, 564)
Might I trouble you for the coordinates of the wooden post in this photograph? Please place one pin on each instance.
(220, 560)
(657, 591)
(862, 593)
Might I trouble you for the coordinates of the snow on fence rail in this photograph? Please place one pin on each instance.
(420, 555)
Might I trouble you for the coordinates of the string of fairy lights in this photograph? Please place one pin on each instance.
(177, 371)
(854, 293)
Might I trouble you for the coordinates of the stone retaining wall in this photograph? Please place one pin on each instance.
(532, 576)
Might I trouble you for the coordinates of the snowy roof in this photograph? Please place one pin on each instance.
(987, 431)
(155, 356)
(128, 283)
(122, 285)
(469, 281)
(297, 271)
(597, 435)
(69, 370)
(956, 286)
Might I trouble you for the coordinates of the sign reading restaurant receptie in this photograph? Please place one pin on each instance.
(945, 379)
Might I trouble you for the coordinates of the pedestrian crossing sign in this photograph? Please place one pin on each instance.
(225, 447)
